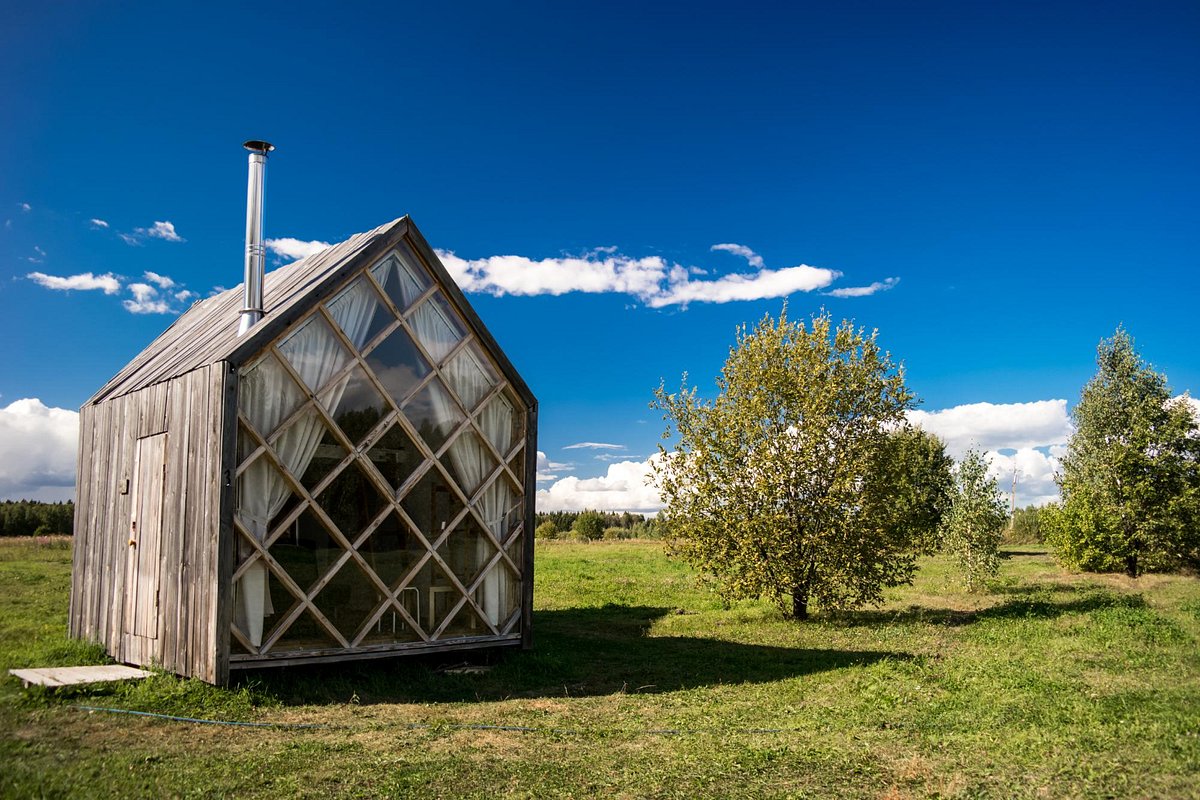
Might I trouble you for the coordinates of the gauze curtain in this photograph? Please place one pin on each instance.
(316, 354)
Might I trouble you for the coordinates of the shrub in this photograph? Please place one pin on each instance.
(546, 530)
(612, 534)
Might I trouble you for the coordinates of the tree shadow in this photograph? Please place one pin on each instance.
(1006, 554)
(577, 652)
(1031, 605)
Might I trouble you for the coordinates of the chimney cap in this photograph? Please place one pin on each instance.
(256, 146)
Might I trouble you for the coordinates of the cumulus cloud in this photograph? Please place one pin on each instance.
(84, 281)
(864, 291)
(754, 259)
(98, 223)
(1191, 401)
(623, 488)
(650, 279)
(1028, 438)
(594, 446)
(38, 447)
(185, 295)
(146, 300)
(295, 249)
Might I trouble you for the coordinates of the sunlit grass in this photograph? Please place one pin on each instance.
(643, 683)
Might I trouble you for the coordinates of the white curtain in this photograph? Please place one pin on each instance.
(438, 334)
(315, 353)
(410, 281)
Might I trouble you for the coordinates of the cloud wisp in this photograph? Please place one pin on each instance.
(595, 446)
(295, 249)
(85, 281)
(97, 223)
(652, 280)
(864, 291)
(164, 230)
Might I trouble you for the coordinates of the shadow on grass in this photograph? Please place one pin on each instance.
(1034, 604)
(577, 652)
(1005, 554)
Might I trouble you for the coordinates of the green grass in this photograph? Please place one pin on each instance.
(642, 684)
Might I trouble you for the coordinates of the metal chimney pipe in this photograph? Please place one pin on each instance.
(252, 304)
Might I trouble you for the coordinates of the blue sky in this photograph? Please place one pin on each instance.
(1000, 184)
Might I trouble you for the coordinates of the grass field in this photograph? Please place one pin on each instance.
(642, 685)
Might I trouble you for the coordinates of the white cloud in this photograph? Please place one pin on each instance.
(1029, 437)
(82, 282)
(130, 239)
(623, 488)
(162, 281)
(548, 470)
(39, 258)
(864, 291)
(185, 295)
(161, 230)
(651, 279)
(98, 223)
(38, 446)
(295, 249)
(754, 259)
(759, 286)
(146, 300)
(25, 207)
(595, 446)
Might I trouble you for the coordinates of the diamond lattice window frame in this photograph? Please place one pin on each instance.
(479, 603)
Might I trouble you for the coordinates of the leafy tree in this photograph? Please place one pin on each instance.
(616, 532)
(1026, 526)
(589, 524)
(975, 523)
(784, 484)
(546, 530)
(1130, 479)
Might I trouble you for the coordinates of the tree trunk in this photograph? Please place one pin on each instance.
(799, 603)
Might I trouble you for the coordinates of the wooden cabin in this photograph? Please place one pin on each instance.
(351, 478)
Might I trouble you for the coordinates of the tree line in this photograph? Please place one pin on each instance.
(590, 525)
(30, 517)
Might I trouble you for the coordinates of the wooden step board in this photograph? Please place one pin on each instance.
(76, 676)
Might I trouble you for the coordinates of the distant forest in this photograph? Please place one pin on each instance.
(29, 518)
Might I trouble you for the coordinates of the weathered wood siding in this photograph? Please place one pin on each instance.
(189, 410)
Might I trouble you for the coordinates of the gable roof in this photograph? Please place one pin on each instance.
(208, 331)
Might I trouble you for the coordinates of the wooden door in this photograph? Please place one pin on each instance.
(145, 537)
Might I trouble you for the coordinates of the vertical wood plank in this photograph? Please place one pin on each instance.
(224, 431)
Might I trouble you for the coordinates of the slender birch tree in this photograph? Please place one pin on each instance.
(973, 527)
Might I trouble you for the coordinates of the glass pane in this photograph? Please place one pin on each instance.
(440, 597)
(466, 623)
(263, 498)
(327, 455)
(470, 375)
(355, 404)
(469, 461)
(392, 549)
(306, 634)
(314, 352)
(246, 444)
(433, 413)
(500, 594)
(502, 508)
(395, 456)
(432, 504)
(359, 312)
(501, 423)
(402, 277)
(437, 327)
(466, 551)
(306, 551)
(391, 627)
(398, 365)
(267, 395)
(352, 501)
(348, 599)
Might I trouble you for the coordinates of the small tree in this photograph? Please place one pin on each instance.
(546, 530)
(784, 485)
(1130, 479)
(975, 523)
(589, 524)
